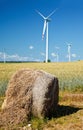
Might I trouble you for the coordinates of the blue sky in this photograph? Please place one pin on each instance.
(21, 29)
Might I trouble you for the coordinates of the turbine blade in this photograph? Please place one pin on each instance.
(52, 13)
(40, 14)
(44, 28)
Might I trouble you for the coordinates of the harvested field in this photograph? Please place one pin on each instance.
(69, 115)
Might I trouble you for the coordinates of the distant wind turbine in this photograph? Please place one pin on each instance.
(4, 56)
(45, 28)
(57, 54)
(69, 52)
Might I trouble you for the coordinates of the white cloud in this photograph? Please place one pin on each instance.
(53, 54)
(31, 47)
(18, 58)
(1, 55)
(14, 57)
(43, 54)
(57, 47)
(74, 55)
(37, 60)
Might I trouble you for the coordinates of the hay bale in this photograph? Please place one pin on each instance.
(29, 92)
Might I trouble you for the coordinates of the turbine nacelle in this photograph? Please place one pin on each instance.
(69, 45)
(48, 19)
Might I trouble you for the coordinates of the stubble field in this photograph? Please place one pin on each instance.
(69, 114)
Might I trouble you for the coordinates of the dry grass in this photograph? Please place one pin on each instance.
(59, 69)
(70, 75)
(69, 115)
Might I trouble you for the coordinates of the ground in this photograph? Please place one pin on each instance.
(69, 115)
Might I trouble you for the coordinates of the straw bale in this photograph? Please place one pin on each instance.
(29, 92)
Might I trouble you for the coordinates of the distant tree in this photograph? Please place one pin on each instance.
(49, 60)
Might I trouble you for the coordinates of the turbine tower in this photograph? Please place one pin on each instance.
(45, 29)
(4, 56)
(57, 54)
(69, 52)
(57, 57)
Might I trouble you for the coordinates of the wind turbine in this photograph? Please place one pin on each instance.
(57, 54)
(69, 52)
(4, 56)
(45, 28)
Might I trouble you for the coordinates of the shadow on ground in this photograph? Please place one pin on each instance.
(64, 110)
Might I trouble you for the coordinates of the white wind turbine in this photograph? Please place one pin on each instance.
(4, 56)
(45, 28)
(69, 52)
(57, 53)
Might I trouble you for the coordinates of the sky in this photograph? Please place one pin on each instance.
(21, 29)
